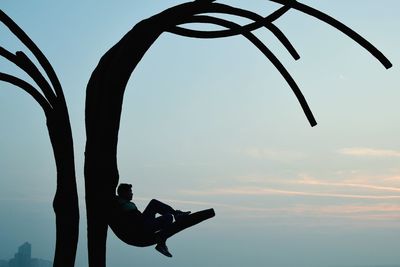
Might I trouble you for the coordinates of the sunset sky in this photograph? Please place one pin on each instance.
(211, 123)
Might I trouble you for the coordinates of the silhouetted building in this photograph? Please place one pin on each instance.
(23, 259)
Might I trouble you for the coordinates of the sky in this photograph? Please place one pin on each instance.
(211, 123)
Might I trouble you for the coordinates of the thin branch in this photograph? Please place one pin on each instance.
(289, 79)
(225, 33)
(278, 13)
(229, 10)
(231, 32)
(210, 34)
(8, 55)
(23, 62)
(32, 91)
(30, 68)
(268, 24)
(259, 21)
(283, 39)
(24, 38)
(340, 26)
(273, 59)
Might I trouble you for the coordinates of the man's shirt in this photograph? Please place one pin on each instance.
(129, 211)
(126, 205)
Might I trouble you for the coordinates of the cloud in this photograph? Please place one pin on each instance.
(352, 209)
(369, 152)
(353, 212)
(256, 191)
(359, 212)
(307, 186)
(343, 200)
(310, 181)
(371, 201)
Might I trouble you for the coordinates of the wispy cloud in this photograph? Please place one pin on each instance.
(376, 211)
(358, 213)
(392, 179)
(255, 191)
(369, 152)
(365, 199)
(309, 181)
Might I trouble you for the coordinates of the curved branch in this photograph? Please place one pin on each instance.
(29, 89)
(22, 61)
(24, 38)
(211, 34)
(267, 23)
(259, 22)
(289, 79)
(278, 13)
(274, 60)
(231, 32)
(225, 33)
(340, 26)
(283, 39)
(34, 72)
(226, 9)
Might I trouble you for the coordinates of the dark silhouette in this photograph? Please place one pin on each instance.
(105, 91)
(23, 258)
(51, 99)
(145, 229)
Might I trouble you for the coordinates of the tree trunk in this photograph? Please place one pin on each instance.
(65, 202)
(104, 97)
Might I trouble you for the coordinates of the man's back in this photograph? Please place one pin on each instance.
(127, 213)
(126, 205)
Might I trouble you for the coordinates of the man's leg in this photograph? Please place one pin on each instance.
(159, 207)
(154, 223)
(159, 223)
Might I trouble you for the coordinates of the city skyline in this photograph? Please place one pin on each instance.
(23, 258)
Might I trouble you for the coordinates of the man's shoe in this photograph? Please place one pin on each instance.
(179, 215)
(163, 249)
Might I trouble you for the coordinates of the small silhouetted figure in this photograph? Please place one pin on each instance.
(147, 221)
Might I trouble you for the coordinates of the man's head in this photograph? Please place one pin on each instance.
(125, 191)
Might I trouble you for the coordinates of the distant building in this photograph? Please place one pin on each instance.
(23, 259)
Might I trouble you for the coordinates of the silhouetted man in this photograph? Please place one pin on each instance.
(148, 221)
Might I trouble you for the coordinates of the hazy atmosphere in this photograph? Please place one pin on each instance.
(212, 124)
